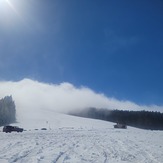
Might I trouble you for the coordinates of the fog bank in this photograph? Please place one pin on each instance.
(32, 96)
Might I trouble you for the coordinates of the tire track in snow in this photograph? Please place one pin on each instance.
(85, 146)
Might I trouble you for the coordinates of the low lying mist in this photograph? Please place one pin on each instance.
(31, 97)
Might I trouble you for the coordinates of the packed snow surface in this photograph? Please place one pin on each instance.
(71, 139)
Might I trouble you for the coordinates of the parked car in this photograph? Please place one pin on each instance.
(12, 128)
(44, 129)
(119, 125)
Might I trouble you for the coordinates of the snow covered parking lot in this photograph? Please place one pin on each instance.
(72, 145)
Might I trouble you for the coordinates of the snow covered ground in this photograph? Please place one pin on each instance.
(71, 139)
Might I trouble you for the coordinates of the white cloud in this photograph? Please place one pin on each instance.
(33, 96)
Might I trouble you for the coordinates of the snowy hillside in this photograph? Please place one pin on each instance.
(71, 139)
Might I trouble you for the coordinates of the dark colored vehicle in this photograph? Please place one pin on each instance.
(118, 125)
(44, 129)
(12, 128)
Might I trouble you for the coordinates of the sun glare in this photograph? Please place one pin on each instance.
(7, 7)
(12, 6)
(10, 13)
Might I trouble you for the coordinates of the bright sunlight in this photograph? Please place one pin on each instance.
(9, 14)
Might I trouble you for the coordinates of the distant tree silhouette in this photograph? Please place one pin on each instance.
(141, 119)
(7, 111)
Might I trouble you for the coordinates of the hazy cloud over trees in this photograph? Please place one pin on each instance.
(7, 110)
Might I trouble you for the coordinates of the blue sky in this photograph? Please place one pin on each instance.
(113, 47)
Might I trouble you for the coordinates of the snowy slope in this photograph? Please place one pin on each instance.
(78, 140)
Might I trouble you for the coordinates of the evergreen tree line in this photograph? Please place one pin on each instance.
(140, 119)
(7, 111)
